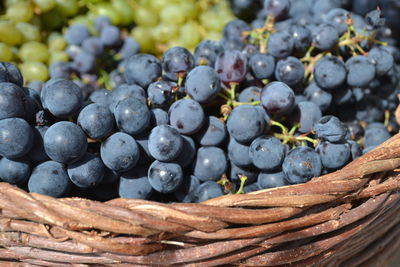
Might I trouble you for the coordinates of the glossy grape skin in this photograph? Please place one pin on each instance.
(250, 94)
(12, 100)
(165, 177)
(135, 184)
(186, 115)
(330, 72)
(334, 156)
(280, 45)
(37, 152)
(212, 133)
(123, 92)
(301, 36)
(330, 128)
(87, 171)
(160, 93)
(210, 163)
(15, 171)
(119, 152)
(239, 153)
(202, 84)
(11, 74)
(267, 153)
(278, 9)
(49, 178)
(360, 71)
(96, 121)
(185, 192)
(16, 138)
(382, 59)
(207, 190)
(301, 164)
(132, 116)
(231, 66)
(65, 142)
(206, 53)
(325, 36)
(177, 61)
(76, 34)
(158, 117)
(63, 98)
(315, 94)
(188, 152)
(165, 143)
(245, 123)
(338, 18)
(271, 179)
(262, 66)
(142, 69)
(289, 70)
(277, 98)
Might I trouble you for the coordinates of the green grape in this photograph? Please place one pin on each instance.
(212, 35)
(85, 20)
(145, 17)
(67, 8)
(211, 21)
(56, 42)
(172, 14)
(34, 71)
(164, 32)
(157, 5)
(52, 20)
(57, 56)
(9, 34)
(6, 53)
(190, 35)
(144, 37)
(106, 9)
(45, 5)
(29, 32)
(34, 51)
(124, 10)
(20, 12)
(190, 10)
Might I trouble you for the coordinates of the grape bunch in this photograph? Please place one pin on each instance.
(270, 104)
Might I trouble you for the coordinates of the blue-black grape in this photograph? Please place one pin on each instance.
(207, 190)
(84, 62)
(93, 45)
(334, 155)
(289, 70)
(212, 133)
(306, 114)
(232, 35)
(277, 98)
(231, 66)
(110, 35)
(382, 59)
(250, 94)
(325, 36)
(186, 115)
(101, 21)
(65, 142)
(278, 9)
(280, 44)
(49, 178)
(267, 153)
(239, 153)
(120, 152)
(165, 143)
(158, 117)
(330, 72)
(301, 36)
(12, 99)
(88, 171)
(338, 17)
(161, 93)
(250, 172)
(61, 70)
(262, 66)
(210, 163)
(330, 128)
(125, 91)
(245, 123)
(375, 135)
(96, 120)
(177, 61)
(12, 74)
(202, 84)
(76, 34)
(360, 71)
(301, 164)
(129, 48)
(15, 171)
(142, 69)
(16, 138)
(271, 179)
(100, 96)
(188, 152)
(132, 116)
(206, 53)
(135, 184)
(315, 94)
(185, 191)
(165, 177)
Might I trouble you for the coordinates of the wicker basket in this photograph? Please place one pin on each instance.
(346, 218)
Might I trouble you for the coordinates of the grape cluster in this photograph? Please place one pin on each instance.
(291, 96)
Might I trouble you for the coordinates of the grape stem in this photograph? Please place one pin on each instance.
(243, 179)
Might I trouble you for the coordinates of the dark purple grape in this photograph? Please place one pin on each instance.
(334, 155)
(306, 114)
(76, 34)
(165, 177)
(250, 94)
(271, 179)
(330, 128)
(382, 59)
(262, 66)
(321, 98)
(278, 9)
(96, 121)
(210, 163)
(207, 190)
(206, 53)
(88, 171)
(330, 72)
(135, 184)
(16, 138)
(280, 44)
(142, 69)
(165, 143)
(290, 71)
(132, 116)
(231, 66)
(325, 36)
(202, 84)
(212, 133)
(12, 101)
(177, 61)
(16, 171)
(277, 98)
(232, 36)
(267, 153)
(301, 38)
(186, 115)
(338, 17)
(110, 35)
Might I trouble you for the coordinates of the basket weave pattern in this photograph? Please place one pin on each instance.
(346, 218)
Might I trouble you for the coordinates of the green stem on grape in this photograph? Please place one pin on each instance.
(265, 81)
(223, 96)
(254, 103)
(180, 80)
(243, 180)
(232, 90)
(387, 118)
